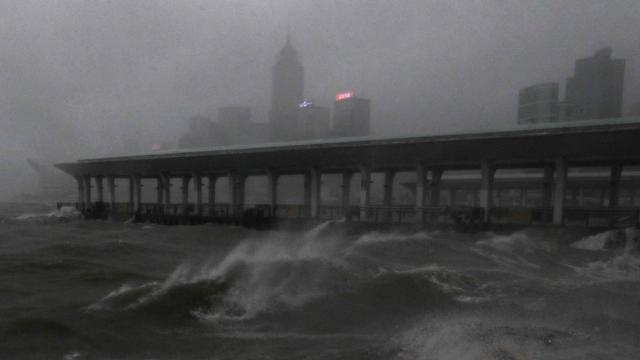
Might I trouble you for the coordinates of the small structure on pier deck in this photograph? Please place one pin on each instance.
(552, 149)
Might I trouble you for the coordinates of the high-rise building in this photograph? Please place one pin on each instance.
(596, 88)
(351, 115)
(538, 104)
(286, 93)
(233, 125)
(313, 121)
(634, 110)
(200, 134)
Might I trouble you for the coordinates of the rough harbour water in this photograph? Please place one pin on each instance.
(72, 289)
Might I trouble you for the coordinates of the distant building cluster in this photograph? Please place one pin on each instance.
(291, 118)
(233, 126)
(593, 92)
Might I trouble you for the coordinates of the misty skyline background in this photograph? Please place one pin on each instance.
(82, 78)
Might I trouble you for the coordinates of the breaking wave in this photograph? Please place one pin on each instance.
(439, 295)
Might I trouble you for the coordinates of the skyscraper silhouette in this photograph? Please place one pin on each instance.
(286, 93)
(595, 90)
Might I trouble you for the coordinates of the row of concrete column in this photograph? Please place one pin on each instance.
(555, 179)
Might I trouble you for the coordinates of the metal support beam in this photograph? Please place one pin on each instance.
(614, 185)
(365, 191)
(486, 186)
(346, 193)
(559, 190)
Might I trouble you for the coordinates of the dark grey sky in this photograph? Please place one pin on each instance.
(79, 77)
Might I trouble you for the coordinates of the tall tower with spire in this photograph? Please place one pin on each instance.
(286, 93)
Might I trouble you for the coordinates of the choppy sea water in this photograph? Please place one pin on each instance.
(73, 289)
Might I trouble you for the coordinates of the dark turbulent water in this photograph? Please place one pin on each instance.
(97, 290)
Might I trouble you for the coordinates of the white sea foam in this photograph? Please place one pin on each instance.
(626, 239)
(263, 272)
(65, 212)
(593, 242)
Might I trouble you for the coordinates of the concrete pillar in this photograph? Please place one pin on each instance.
(316, 183)
(212, 194)
(81, 192)
(99, 189)
(197, 185)
(486, 186)
(346, 193)
(387, 199)
(111, 186)
(307, 195)
(241, 180)
(233, 198)
(434, 185)
(159, 191)
(547, 187)
(166, 187)
(272, 190)
(614, 185)
(185, 195)
(421, 184)
(559, 190)
(137, 193)
(87, 191)
(453, 196)
(236, 193)
(365, 191)
(131, 195)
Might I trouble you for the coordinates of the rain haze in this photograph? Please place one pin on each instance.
(89, 78)
(320, 179)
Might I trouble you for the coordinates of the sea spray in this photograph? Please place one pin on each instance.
(375, 295)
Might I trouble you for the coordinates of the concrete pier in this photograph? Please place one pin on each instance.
(549, 151)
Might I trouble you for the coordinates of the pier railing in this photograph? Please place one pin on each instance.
(590, 217)
(596, 217)
(520, 215)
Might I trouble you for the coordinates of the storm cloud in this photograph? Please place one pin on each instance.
(88, 78)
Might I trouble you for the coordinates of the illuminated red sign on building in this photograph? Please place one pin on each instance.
(344, 95)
